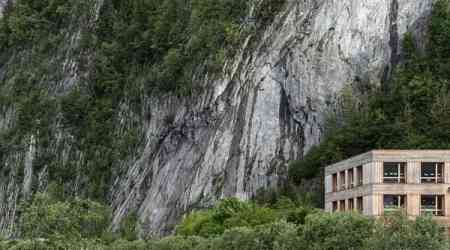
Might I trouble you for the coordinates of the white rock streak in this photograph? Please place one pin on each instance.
(238, 136)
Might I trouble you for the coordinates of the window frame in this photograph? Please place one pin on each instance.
(400, 179)
(436, 211)
(335, 206)
(360, 204)
(342, 181)
(342, 205)
(359, 176)
(351, 204)
(334, 182)
(434, 180)
(350, 178)
(401, 198)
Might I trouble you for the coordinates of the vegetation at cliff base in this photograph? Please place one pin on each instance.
(231, 225)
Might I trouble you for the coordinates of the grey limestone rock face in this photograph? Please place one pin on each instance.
(266, 110)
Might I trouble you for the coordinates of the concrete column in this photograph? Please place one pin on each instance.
(447, 172)
(378, 172)
(413, 172)
(328, 184)
(447, 205)
(413, 204)
(347, 185)
(367, 173)
(368, 205)
(377, 204)
(328, 207)
(339, 181)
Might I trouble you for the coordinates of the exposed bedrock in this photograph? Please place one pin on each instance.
(266, 110)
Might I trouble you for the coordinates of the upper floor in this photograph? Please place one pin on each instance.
(392, 167)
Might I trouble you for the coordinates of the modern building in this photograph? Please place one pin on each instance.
(381, 181)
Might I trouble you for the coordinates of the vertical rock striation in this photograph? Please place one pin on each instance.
(266, 108)
(269, 108)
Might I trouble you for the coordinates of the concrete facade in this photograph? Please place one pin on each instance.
(414, 181)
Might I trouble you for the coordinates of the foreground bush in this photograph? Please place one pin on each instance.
(318, 231)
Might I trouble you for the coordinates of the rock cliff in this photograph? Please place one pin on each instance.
(265, 109)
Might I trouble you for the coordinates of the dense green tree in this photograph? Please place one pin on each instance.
(46, 217)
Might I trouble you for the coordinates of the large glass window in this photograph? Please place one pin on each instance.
(432, 172)
(334, 182)
(342, 205)
(335, 206)
(394, 172)
(351, 205)
(359, 175)
(432, 205)
(359, 204)
(342, 180)
(351, 184)
(394, 202)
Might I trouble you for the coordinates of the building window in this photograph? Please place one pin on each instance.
(394, 202)
(342, 205)
(432, 205)
(351, 183)
(359, 176)
(432, 172)
(351, 205)
(335, 182)
(335, 206)
(342, 180)
(359, 204)
(394, 172)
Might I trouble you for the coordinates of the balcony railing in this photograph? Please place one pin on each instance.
(437, 180)
(394, 179)
(431, 211)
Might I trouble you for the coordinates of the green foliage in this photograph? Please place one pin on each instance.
(229, 213)
(403, 233)
(413, 113)
(171, 39)
(304, 229)
(337, 231)
(28, 21)
(439, 38)
(46, 217)
(267, 11)
(131, 50)
(128, 230)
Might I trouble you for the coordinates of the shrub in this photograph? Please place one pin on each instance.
(336, 231)
(74, 219)
(402, 233)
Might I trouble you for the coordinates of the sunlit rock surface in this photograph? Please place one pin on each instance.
(267, 108)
